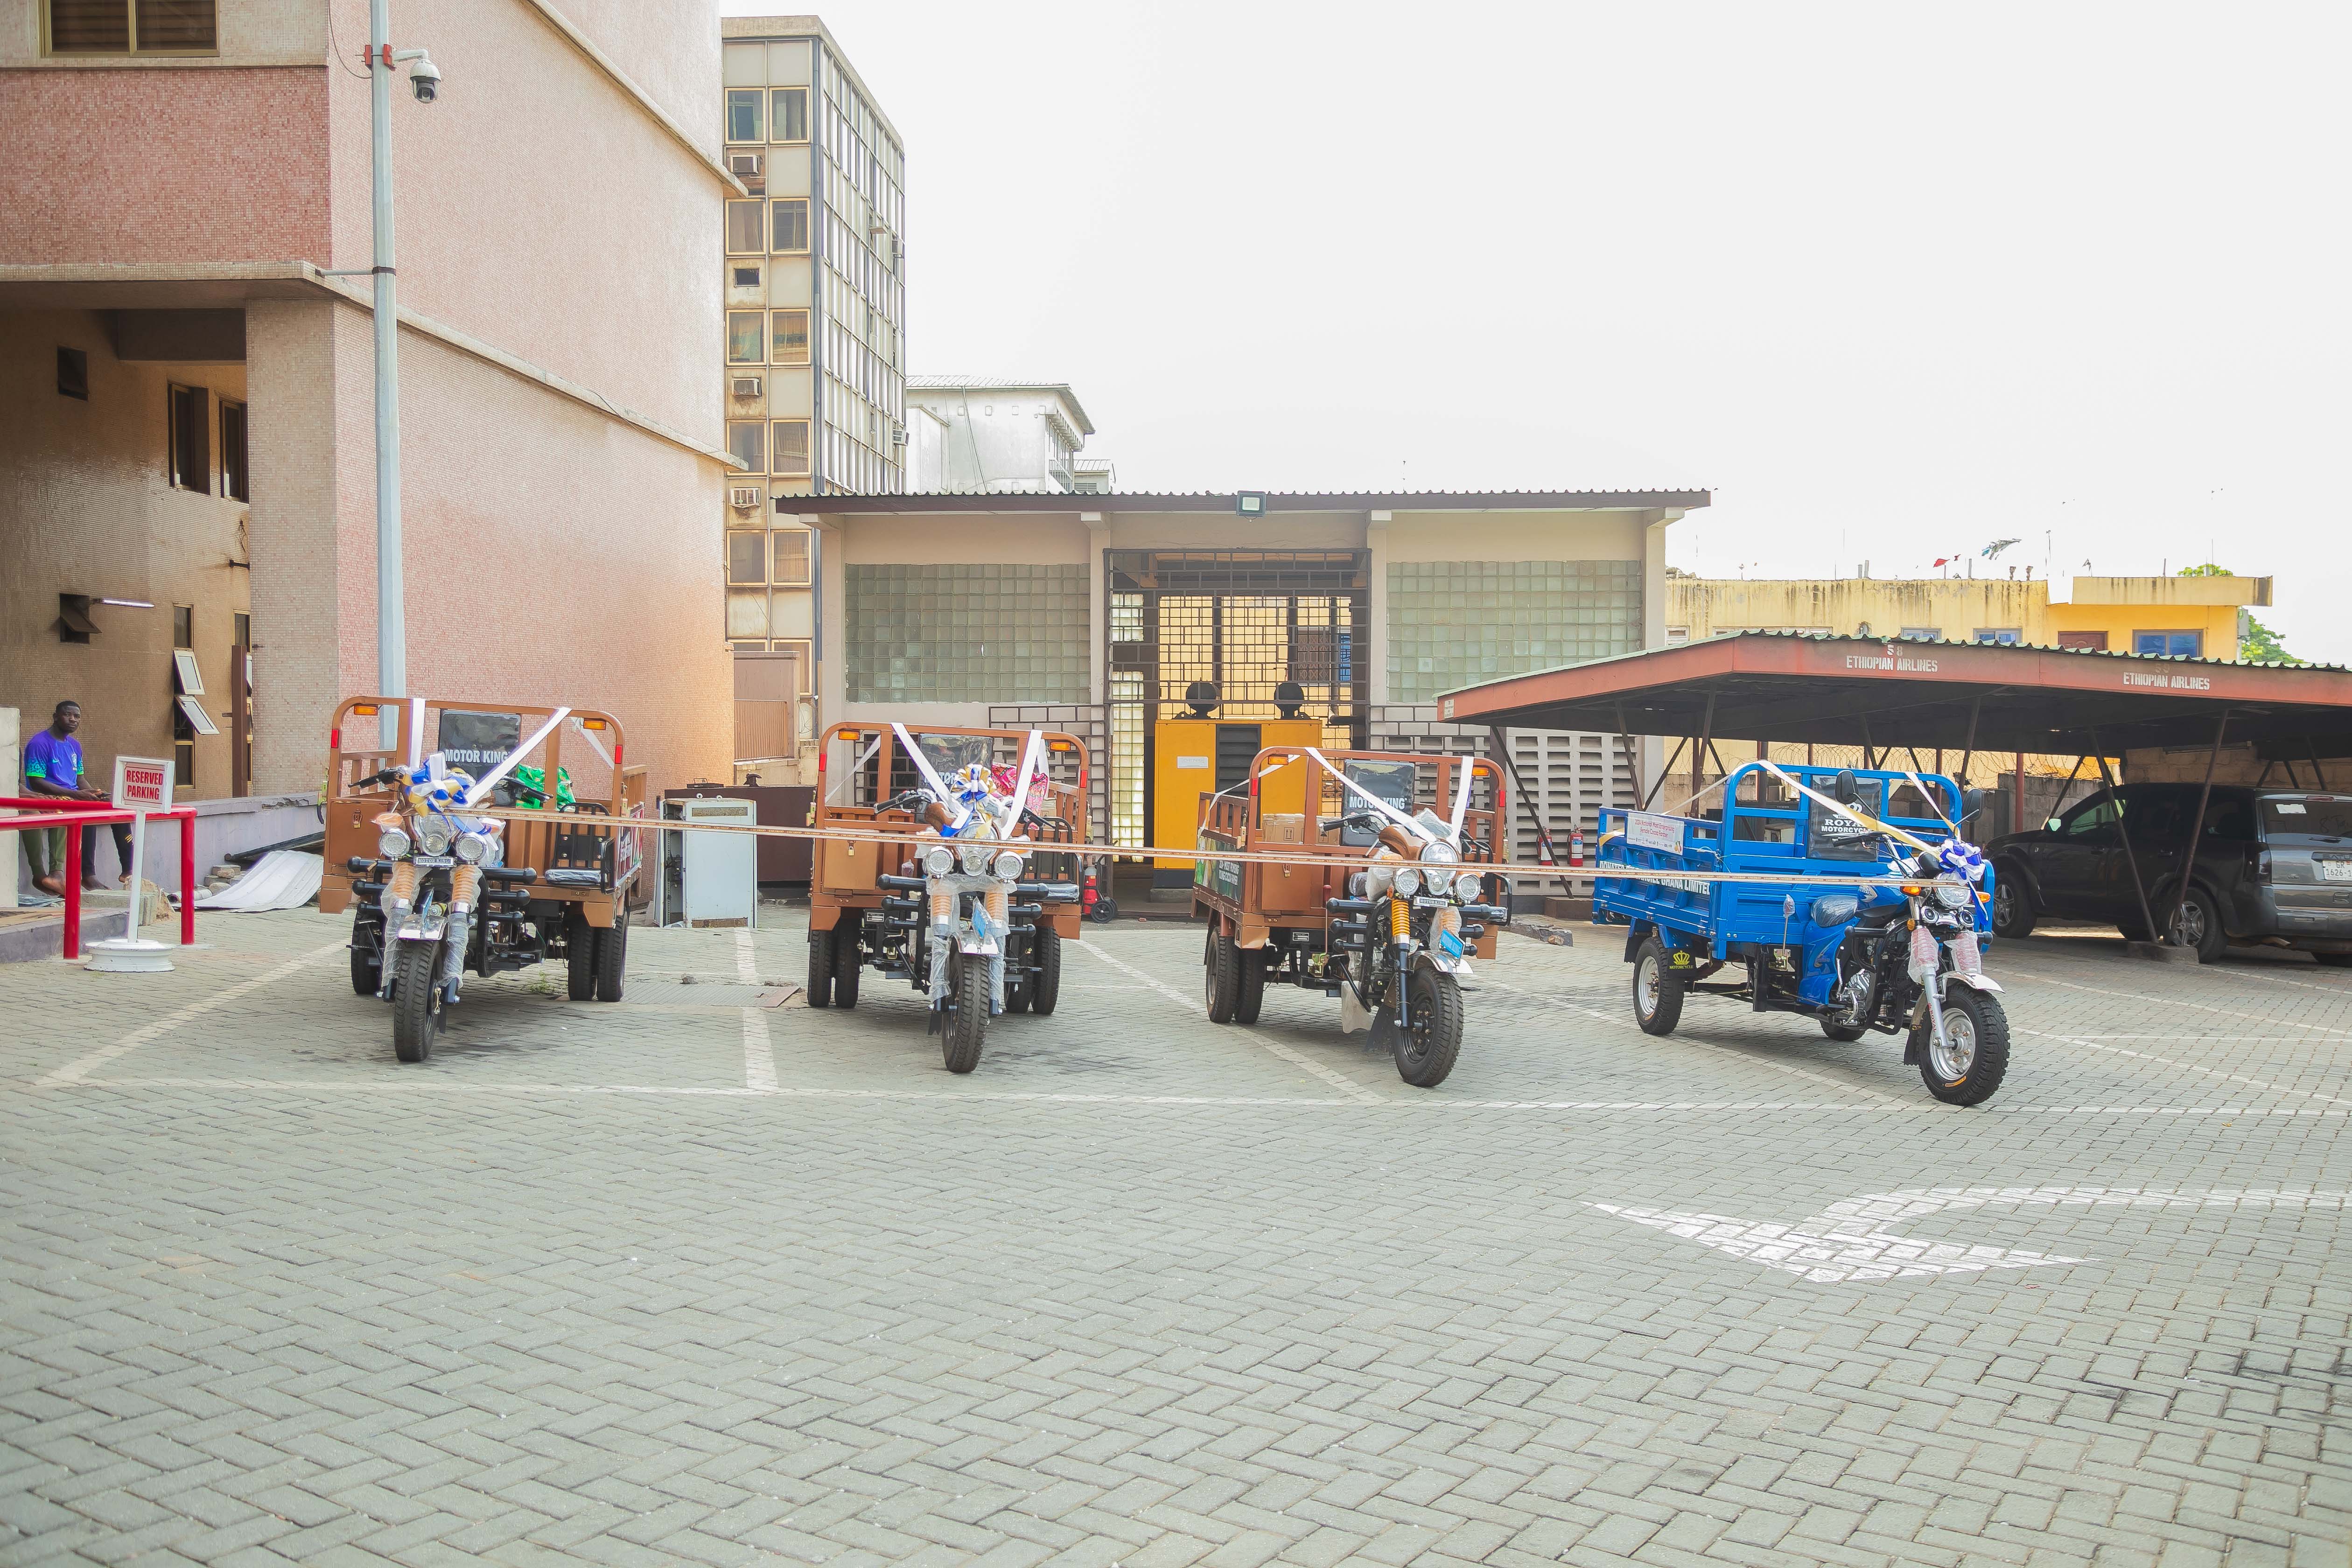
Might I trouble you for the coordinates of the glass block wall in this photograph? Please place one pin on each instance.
(966, 633)
(1457, 623)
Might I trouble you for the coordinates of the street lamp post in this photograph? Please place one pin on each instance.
(391, 600)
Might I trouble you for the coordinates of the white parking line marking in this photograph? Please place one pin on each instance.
(747, 958)
(1624, 1022)
(74, 1071)
(759, 1053)
(1338, 1080)
(2089, 1044)
(2175, 1002)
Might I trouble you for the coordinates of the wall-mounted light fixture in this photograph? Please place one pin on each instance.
(1249, 503)
(74, 623)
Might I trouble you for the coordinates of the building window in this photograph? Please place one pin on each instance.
(129, 27)
(788, 337)
(792, 447)
(191, 441)
(744, 114)
(747, 277)
(743, 337)
(1922, 634)
(234, 482)
(746, 559)
(184, 626)
(747, 438)
(792, 558)
(73, 373)
(790, 114)
(2008, 637)
(2094, 641)
(2170, 645)
(790, 224)
(743, 237)
(1677, 635)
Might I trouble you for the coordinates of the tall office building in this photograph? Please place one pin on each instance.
(817, 311)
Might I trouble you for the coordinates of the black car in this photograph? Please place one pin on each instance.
(2272, 867)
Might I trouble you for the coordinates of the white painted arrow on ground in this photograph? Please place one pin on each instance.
(1855, 1239)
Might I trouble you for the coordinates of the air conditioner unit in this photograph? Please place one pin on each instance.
(742, 162)
(747, 386)
(898, 434)
(744, 498)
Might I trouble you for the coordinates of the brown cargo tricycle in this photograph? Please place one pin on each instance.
(435, 889)
(972, 910)
(1385, 913)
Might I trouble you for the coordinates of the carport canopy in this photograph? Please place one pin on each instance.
(1980, 696)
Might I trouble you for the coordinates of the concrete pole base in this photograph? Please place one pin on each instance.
(129, 955)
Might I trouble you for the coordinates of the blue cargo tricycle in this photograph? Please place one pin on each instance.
(1899, 951)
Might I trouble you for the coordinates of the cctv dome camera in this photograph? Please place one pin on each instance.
(424, 80)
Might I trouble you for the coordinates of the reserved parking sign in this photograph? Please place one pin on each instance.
(142, 784)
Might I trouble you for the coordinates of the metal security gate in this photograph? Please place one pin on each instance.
(1245, 621)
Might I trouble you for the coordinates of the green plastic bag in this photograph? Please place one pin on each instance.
(531, 787)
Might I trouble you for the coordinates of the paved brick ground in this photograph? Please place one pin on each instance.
(690, 1280)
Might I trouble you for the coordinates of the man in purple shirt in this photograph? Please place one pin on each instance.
(53, 766)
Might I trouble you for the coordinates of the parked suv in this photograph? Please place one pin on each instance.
(2271, 865)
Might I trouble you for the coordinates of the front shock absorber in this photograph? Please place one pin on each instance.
(465, 882)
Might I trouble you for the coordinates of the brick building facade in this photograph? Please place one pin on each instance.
(187, 393)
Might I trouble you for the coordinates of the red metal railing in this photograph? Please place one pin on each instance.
(73, 815)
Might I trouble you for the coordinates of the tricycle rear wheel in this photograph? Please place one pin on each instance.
(1249, 984)
(846, 963)
(1657, 990)
(1044, 987)
(580, 955)
(1223, 982)
(820, 969)
(613, 956)
(416, 1000)
(367, 970)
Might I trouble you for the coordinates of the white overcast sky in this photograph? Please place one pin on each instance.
(1892, 282)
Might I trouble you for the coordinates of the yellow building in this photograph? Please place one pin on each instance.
(2198, 617)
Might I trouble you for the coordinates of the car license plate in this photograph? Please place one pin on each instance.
(434, 860)
(2335, 870)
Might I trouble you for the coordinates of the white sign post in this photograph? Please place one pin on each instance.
(141, 784)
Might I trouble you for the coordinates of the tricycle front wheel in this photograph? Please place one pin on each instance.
(415, 1000)
(1966, 1066)
(1657, 990)
(1426, 1051)
(965, 1026)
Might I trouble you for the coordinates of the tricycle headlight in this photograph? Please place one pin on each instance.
(1408, 882)
(471, 847)
(975, 859)
(1007, 865)
(939, 860)
(1467, 886)
(1377, 879)
(1441, 854)
(392, 844)
(1952, 898)
(433, 836)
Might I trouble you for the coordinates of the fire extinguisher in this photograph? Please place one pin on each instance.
(1576, 846)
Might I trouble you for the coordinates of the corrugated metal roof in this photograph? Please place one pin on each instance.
(1293, 500)
(988, 384)
(2038, 647)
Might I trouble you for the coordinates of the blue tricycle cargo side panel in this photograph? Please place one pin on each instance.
(1799, 841)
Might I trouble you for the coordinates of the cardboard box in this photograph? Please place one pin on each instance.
(1281, 828)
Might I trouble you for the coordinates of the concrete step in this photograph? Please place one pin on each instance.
(28, 935)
